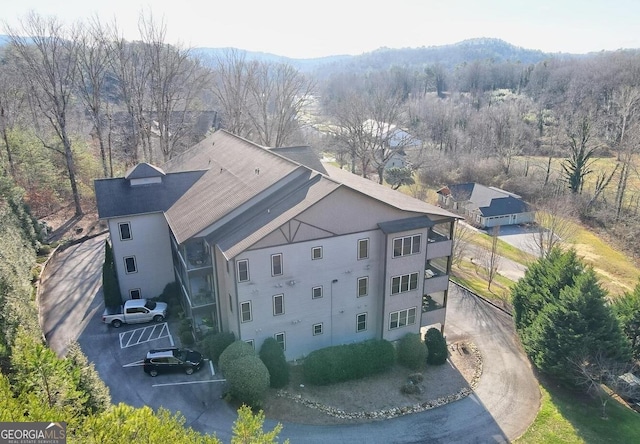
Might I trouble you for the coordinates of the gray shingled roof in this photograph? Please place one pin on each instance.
(303, 155)
(116, 197)
(143, 171)
(489, 201)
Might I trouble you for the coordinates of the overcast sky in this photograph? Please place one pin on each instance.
(295, 28)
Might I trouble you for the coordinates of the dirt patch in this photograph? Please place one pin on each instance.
(377, 397)
(64, 225)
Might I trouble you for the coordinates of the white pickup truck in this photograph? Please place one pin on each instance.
(135, 311)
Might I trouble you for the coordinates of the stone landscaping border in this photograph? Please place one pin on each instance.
(396, 411)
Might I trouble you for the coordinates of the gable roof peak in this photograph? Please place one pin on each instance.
(144, 170)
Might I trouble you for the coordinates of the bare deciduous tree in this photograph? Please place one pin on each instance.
(490, 259)
(554, 225)
(49, 66)
(461, 238)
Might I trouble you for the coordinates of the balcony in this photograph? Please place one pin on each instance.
(435, 280)
(197, 257)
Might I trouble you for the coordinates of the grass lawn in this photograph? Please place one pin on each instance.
(567, 417)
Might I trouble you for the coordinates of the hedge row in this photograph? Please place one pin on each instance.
(347, 362)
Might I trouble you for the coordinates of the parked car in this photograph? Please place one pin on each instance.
(172, 359)
(135, 311)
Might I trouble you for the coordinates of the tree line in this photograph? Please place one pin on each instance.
(82, 99)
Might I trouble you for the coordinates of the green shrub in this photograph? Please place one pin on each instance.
(44, 250)
(186, 335)
(416, 378)
(235, 350)
(346, 362)
(409, 388)
(213, 344)
(436, 347)
(412, 352)
(272, 355)
(248, 380)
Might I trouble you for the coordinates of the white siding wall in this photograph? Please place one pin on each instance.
(151, 247)
(336, 310)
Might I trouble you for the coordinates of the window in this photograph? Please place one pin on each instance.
(280, 339)
(317, 329)
(316, 292)
(135, 294)
(363, 249)
(316, 253)
(404, 246)
(401, 318)
(361, 322)
(251, 343)
(243, 270)
(245, 311)
(363, 286)
(125, 231)
(276, 264)
(406, 282)
(130, 264)
(278, 304)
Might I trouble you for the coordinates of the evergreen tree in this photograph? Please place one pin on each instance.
(627, 310)
(110, 287)
(562, 317)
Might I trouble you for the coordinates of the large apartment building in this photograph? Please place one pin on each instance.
(272, 243)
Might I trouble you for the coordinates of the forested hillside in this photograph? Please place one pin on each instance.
(81, 103)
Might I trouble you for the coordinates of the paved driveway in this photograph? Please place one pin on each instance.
(501, 409)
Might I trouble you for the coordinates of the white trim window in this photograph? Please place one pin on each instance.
(243, 270)
(135, 293)
(398, 319)
(404, 283)
(404, 246)
(316, 292)
(125, 231)
(251, 342)
(316, 253)
(130, 265)
(363, 249)
(281, 339)
(361, 322)
(317, 329)
(276, 264)
(278, 304)
(363, 286)
(245, 311)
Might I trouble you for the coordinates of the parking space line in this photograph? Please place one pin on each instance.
(190, 382)
(213, 372)
(145, 334)
(135, 364)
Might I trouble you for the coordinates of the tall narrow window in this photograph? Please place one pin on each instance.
(316, 292)
(130, 264)
(278, 304)
(316, 253)
(125, 231)
(280, 339)
(317, 329)
(363, 249)
(245, 311)
(276, 264)
(243, 270)
(361, 322)
(363, 286)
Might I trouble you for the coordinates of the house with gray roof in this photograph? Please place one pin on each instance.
(485, 207)
(272, 243)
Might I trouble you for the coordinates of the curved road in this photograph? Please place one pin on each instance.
(504, 404)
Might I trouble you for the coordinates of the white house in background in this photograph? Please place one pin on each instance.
(484, 206)
(270, 243)
(397, 140)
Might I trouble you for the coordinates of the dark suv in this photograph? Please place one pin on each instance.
(171, 360)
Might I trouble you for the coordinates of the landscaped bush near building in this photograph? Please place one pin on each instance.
(272, 355)
(213, 344)
(436, 347)
(235, 350)
(248, 380)
(412, 352)
(346, 362)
